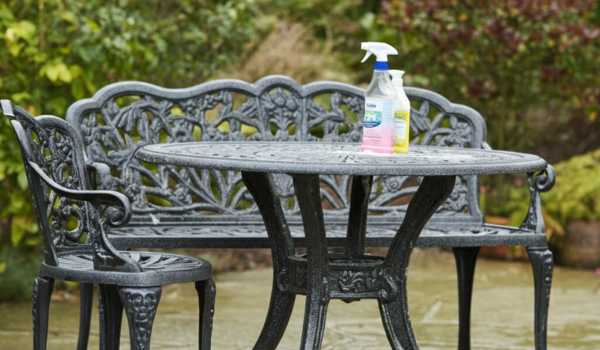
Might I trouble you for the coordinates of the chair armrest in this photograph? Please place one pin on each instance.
(109, 258)
(538, 182)
(110, 198)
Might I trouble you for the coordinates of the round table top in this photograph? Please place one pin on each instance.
(338, 159)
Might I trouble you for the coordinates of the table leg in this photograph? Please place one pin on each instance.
(432, 192)
(317, 293)
(282, 246)
(357, 220)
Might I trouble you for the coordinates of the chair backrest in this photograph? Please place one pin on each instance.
(122, 117)
(55, 147)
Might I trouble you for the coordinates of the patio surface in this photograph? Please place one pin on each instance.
(502, 312)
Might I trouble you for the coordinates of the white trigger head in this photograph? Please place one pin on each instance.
(367, 55)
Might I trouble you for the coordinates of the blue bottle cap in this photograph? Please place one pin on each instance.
(381, 65)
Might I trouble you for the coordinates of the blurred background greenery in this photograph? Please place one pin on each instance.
(530, 67)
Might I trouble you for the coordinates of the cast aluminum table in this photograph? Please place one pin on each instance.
(322, 276)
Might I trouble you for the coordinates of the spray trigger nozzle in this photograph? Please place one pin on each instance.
(379, 49)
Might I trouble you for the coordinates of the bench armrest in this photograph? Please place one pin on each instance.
(122, 208)
(538, 182)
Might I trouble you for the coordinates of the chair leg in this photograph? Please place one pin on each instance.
(542, 263)
(86, 295)
(140, 305)
(206, 294)
(42, 290)
(111, 315)
(466, 258)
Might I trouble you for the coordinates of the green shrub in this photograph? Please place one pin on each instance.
(576, 195)
(526, 65)
(17, 272)
(53, 52)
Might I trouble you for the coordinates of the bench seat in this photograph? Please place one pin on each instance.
(234, 235)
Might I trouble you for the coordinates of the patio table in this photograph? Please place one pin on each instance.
(323, 274)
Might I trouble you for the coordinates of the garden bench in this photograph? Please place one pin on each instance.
(175, 207)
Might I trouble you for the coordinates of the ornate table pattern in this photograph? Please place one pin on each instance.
(351, 275)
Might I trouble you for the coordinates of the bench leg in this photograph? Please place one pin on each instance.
(86, 295)
(466, 258)
(206, 295)
(42, 290)
(542, 263)
(111, 315)
(140, 305)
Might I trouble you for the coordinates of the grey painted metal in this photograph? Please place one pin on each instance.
(321, 277)
(40, 296)
(394, 309)
(318, 274)
(338, 159)
(466, 258)
(357, 217)
(140, 306)
(86, 294)
(542, 264)
(110, 309)
(125, 116)
(178, 207)
(316, 263)
(240, 234)
(56, 170)
(281, 305)
(206, 296)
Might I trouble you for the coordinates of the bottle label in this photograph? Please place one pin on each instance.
(376, 110)
(400, 121)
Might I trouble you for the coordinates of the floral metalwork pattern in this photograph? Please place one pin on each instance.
(121, 119)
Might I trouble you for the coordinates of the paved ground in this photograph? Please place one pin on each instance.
(502, 315)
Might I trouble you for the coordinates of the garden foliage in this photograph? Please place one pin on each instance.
(53, 52)
(530, 66)
(576, 196)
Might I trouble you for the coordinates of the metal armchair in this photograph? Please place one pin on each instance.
(75, 222)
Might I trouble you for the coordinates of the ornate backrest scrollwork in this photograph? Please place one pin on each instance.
(72, 219)
(54, 146)
(125, 116)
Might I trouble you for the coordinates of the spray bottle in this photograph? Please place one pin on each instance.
(401, 113)
(378, 123)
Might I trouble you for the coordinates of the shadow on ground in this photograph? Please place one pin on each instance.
(502, 312)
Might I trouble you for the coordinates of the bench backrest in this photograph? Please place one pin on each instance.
(124, 116)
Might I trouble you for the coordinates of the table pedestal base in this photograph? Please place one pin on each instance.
(350, 277)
